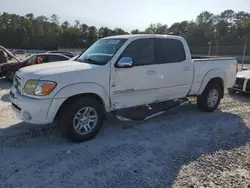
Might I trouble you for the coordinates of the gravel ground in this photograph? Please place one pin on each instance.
(184, 148)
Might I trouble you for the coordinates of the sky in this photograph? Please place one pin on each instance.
(126, 14)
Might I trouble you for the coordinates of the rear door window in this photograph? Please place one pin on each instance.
(169, 51)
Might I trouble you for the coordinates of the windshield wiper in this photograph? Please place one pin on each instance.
(88, 60)
(79, 60)
(91, 60)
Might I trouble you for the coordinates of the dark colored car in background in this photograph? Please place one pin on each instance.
(69, 54)
(9, 69)
(3, 56)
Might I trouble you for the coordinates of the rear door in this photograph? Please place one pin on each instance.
(174, 70)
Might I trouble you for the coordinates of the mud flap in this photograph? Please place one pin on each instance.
(146, 112)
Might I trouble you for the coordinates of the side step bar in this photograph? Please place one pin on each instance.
(177, 103)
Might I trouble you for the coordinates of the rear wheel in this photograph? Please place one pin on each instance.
(81, 119)
(10, 75)
(209, 100)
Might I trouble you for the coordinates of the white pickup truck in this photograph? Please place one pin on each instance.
(115, 73)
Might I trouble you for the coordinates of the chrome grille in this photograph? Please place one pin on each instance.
(17, 83)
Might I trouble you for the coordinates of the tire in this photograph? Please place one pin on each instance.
(67, 122)
(10, 75)
(203, 100)
(231, 91)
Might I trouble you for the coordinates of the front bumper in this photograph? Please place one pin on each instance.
(242, 84)
(34, 111)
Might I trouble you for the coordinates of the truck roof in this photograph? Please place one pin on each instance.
(137, 36)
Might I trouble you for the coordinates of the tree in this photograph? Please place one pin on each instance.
(157, 29)
(65, 24)
(119, 31)
(92, 35)
(30, 16)
(228, 16)
(54, 19)
(84, 28)
(179, 28)
(104, 32)
(205, 18)
(42, 19)
(136, 31)
(227, 28)
(77, 24)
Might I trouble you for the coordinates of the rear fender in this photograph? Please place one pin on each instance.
(214, 73)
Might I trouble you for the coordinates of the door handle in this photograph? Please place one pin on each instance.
(150, 72)
(186, 68)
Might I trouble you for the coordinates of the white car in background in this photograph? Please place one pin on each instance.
(242, 82)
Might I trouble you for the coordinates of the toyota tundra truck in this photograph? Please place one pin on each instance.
(115, 73)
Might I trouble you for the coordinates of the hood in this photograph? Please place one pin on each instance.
(8, 63)
(55, 68)
(9, 54)
(244, 74)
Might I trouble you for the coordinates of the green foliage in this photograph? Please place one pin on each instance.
(227, 28)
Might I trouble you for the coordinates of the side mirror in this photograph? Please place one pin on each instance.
(125, 62)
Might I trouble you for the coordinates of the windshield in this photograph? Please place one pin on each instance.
(101, 51)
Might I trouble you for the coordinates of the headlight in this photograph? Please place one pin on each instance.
(36, 87)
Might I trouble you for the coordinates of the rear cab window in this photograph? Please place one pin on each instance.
(169, 51)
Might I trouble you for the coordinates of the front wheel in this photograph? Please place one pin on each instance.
(10, 75)
(209, 100)
(81, 119)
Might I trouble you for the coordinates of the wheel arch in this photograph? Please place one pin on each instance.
(216, 76)
(78, 90)
(78, 96)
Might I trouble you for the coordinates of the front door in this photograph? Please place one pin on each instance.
(134, 86)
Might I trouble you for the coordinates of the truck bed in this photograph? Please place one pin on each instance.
(204, 64)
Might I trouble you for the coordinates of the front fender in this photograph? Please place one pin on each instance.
(84, 88)
(214, 73)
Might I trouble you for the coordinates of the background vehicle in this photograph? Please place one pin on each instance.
(242, 83)
(19, 52)
(115, 73)
(9, 69)
(3, 57)
(69, 54)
